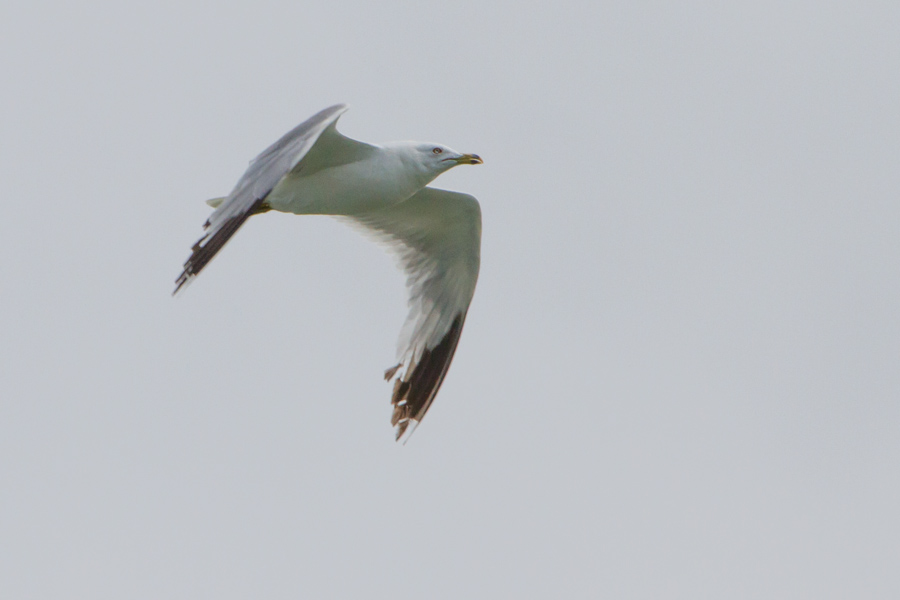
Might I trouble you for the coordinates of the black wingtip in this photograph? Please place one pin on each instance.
(414, 393)
(209, 245)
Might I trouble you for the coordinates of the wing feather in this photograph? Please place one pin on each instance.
(248, 195)
(437, 236)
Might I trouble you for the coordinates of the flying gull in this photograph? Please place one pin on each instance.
(314, 170)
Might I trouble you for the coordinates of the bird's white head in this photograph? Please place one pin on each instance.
(437, 158)
(440, 158)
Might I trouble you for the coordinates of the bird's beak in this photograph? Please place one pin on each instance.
(469, 159)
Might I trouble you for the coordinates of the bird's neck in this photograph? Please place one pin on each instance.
(411, 164)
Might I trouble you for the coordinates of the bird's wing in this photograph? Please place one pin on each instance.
(265, 171)
(437, 236)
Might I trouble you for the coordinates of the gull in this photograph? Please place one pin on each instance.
(436, 234)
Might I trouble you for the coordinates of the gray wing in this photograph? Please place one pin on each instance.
(437, 235)
(263, 174)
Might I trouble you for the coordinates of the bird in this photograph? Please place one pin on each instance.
(383, 189)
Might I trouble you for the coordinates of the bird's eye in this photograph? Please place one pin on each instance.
(437, 150)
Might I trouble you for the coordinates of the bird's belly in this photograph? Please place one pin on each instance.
(343, 190)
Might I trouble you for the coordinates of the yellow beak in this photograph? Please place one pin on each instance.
(469, 159)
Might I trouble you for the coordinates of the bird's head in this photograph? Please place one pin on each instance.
(440, 158)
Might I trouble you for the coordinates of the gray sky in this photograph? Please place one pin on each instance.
(678, 377)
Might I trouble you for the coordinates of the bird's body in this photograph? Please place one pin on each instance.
(378, 180)
(313, 169)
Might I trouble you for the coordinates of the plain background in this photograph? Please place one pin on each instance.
(678, 378)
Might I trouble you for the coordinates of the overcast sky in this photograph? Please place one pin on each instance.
(678, 378)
